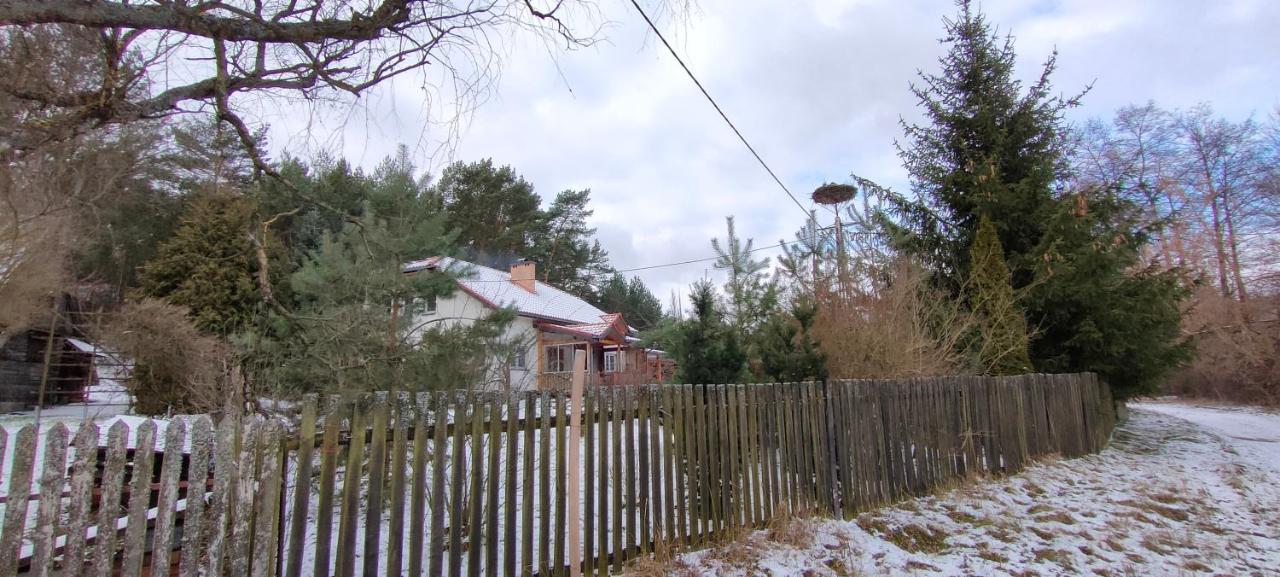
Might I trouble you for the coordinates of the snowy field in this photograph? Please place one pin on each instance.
(1183, 490)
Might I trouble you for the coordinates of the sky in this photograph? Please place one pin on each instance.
(817, 86)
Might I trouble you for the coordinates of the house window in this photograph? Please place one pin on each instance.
(559, 358)
(611, 361)
(518, 358)
(425, 304)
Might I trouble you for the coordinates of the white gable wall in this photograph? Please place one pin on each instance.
(461, 308)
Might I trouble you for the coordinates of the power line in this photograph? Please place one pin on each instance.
(718, 109)
(705, 259)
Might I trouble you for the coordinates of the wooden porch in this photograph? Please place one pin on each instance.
(613, 357)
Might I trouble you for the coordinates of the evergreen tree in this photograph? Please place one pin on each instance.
(208, 156)
(494, 211)
(788, 350)
(644, 310)
(638, 306)
(709, 351)
(1002, 345)
(142, 209)
(993, 148)
(752, 294)
(568, 256)
(209, 265)
(988, 146)
(1097, 307)
(352, 328)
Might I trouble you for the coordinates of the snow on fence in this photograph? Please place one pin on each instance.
(451, 484)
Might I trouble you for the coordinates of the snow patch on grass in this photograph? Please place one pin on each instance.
(1168, 497)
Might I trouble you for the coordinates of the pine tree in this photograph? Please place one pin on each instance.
(638, 306)
(788, 350)
(352, 327)
(709, 351)
(565, 249)
(1002, 346)
(753, 296)
(493, 210)
(644, 310)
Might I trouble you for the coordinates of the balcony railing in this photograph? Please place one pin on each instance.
(562, 380)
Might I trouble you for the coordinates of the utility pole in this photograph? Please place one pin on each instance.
(813, 247)
(833, 195)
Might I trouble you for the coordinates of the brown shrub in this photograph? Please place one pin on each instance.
(893, 326)
(1237, 350)
(176, 368)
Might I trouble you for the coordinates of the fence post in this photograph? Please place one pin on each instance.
(575, 483)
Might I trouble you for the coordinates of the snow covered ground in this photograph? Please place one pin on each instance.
(1183, 490)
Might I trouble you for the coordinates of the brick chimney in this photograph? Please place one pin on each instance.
(523, 274)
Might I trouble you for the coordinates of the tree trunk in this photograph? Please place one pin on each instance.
(1241, 294)
(1219, 247)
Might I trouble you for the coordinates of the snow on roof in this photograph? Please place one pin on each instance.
(495, 288)
(87, 347)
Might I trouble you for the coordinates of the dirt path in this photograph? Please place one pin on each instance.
(1182, 490)
(1249, 432)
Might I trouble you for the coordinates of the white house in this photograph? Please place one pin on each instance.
(550, 325)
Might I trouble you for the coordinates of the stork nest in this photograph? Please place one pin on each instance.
(834, 193)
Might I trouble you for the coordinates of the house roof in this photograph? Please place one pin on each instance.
(494, 288)
(610, 325)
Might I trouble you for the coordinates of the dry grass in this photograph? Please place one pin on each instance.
(1156, 542)
(912, 538)
(794, 529)
(965, 518)
(1114, 544)
(177, 367)
(921, 566)
(1062, 517)
(664, 561)
(1041, 533)
(992, 556)
(740, 553)
(1055, 556)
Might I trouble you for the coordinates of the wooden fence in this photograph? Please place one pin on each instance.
(453, 484)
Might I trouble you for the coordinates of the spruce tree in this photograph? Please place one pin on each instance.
(988, 146)
(1002, 344)
(1097, 307)
(992, 146)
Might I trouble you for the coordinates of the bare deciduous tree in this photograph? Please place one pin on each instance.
(155, 58)
(160, 57)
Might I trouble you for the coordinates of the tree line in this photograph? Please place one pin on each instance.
(1140, 247)
(222, 284)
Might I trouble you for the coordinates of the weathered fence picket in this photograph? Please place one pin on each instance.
(450, 484)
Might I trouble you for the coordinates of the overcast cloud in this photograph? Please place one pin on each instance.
(818, 87)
